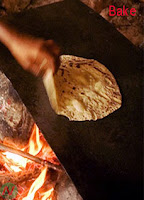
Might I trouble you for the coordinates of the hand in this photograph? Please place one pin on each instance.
(36, 55)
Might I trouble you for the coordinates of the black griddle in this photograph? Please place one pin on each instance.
(104, 157)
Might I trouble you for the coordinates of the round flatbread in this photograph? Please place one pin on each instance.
(86, 89)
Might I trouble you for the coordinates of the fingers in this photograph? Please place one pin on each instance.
(49, 51)
(35, 69)
(46, 57)
(44, 62)
(53, 47)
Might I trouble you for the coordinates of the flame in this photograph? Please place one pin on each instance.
(37, 146)
(34, 147)
(47, 195)
(17, 160)
(37, 184)
(15, 168)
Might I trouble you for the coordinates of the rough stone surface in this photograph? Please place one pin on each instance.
(131, 27)
(14, 5)
(66, 190)
(15, 122)
(11, 6)
(97, 5)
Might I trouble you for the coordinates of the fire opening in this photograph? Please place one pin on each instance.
(33, 180)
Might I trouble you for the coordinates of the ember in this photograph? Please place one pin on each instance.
(40, 185)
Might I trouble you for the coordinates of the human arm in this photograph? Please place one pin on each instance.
(30, 51)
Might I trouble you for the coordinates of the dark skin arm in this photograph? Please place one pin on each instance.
(29, 51)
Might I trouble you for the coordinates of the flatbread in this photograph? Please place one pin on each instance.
(86, 89)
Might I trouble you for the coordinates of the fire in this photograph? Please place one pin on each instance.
(15, 168)
(37, 184)
(19, 161)
(37, 146)
(47, 195)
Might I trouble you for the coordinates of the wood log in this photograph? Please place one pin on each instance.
(31, 157)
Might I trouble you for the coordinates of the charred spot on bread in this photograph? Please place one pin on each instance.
(86, 89)
(78, 65)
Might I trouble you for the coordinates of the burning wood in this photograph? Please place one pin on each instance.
(20, 161)
(28, 156)
(17, 130)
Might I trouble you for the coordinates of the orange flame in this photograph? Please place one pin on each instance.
(18, 161)
(47, 195)
(36, 146)
(37, 184)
